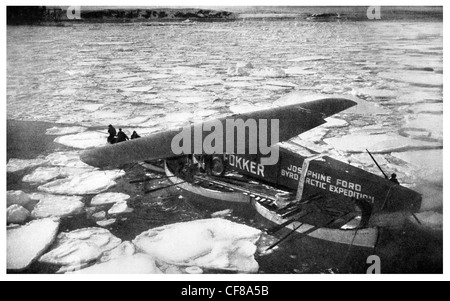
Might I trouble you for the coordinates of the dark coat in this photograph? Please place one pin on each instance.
(121, 136)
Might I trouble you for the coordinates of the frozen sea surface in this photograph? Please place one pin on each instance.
(80, 80)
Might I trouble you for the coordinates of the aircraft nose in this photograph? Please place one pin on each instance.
(93, 158)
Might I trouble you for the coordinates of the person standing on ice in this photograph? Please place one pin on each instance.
(121, 136)
(112, 134)
(135, 135)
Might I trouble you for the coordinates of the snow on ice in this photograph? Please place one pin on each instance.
(15, 165)
(67, 159)
(83, 140)
(16, 214)
(91, 182)
(210, 243)
(98, 216)
(335, 123)
(80, 246)
(119, 208)
(109, 198)
(65, 130)
(57, 206)
(42, 175)
(17, 197)
(26, 243)
(107, 222)
(126, 248)
(134, 264)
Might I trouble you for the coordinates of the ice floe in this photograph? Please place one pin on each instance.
(178, 117)
(268, 72)
(241, 84)
(376, 93)
(109, 198)
(210, 243)
(57, 206)
(136, 89)
(193, 270)
(430, 122)
(120, 208)
(193, 99)
(45, 174)
(126, 248)
(369, 130)
(134, 264)
(80, 246)
(15, 165)
(65, 130)
(314, 135)
(91, 182)
(222, 213)
(26, 243)
(335, 123)
(17, 197)
(99, 216)
(106, 223)
(42, 175)
(16, 214)
(240, 69)
(428, 164)
(92, 106)
(420, 78)
(206, 82)
(280, 83)
(433, 108)
(69, 159)
(274, 88)
(244, 108)
(188, 71)
(415, 133)
(310, 58)
(384, 143)
(422, 96)
(293, 71)
(83, 140)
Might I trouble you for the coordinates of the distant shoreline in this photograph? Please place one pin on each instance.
(59, 16)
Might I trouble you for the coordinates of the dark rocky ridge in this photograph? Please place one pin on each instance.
(57, 15)
(41, 15)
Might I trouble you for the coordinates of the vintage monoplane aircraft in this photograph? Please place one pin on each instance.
(238, 158)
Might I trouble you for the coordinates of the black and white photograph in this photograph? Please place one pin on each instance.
(197, 140)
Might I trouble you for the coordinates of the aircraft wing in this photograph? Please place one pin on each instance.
(293, 120)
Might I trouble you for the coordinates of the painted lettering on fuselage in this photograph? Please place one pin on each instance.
(246, 165)
(327, 183)
(337, 186)
(292, 172)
